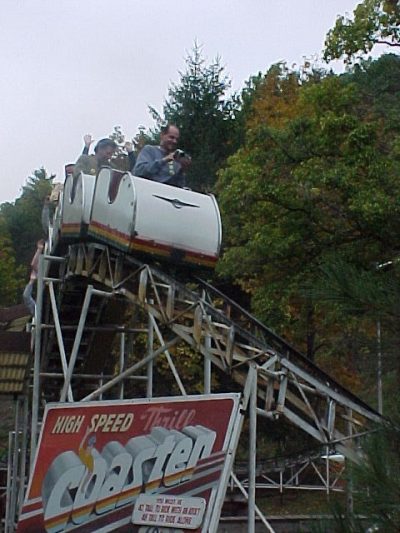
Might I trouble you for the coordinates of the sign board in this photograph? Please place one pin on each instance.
(149, 465)
(170, 511)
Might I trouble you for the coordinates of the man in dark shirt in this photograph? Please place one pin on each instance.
(90, 164)
(164, 163)
(128, 147)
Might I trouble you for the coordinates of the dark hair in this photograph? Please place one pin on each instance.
(165, 129)
(103, 143)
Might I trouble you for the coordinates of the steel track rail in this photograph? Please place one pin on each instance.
(288, 384)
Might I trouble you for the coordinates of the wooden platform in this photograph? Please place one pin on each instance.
(15, 350)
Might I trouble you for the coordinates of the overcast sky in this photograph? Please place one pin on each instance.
(74, 66)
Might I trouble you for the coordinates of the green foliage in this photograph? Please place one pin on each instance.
(23, 217)
(373, 22)
(377, 479)
(10, 275)
(119, 159)
(244, 109)
(189, 365)
(375, 485)
(366, 297)
(144, 137)
(370, 292)
(316, 180)
(199, 106)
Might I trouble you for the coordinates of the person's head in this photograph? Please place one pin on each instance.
(104, 150)
(169, 138)
(69, 169)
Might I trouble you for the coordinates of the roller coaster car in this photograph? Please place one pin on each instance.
(139, 216)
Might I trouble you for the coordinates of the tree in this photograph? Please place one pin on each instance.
(376, 486)
(10, 275)
(256, 189)
(374, 22)
(120, 158)
(203, 112)
(23, 217)
(317, 179)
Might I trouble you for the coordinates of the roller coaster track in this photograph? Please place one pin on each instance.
(106, 322)
(93, 287)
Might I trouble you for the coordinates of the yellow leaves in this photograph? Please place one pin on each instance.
(276, 100)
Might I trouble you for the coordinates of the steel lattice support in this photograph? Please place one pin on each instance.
(288, 384)
(277, 381)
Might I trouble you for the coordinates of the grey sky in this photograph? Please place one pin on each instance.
(74, 66)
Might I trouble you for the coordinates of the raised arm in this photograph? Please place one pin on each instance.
(87, 140)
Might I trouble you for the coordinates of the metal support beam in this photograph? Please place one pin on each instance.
(121, 363)
(37, 358)
(233, 341)
(207, 366)
(130, 370)
(252, 450)
(90, 291)
(257, 510)
(13, 456)
(150, 364)
(60, 341)
(24, 446)
(9, 518)
(169, 358)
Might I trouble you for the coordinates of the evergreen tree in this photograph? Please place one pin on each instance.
(205, 116)
(11, 277)
(376, 487)
(23, 217)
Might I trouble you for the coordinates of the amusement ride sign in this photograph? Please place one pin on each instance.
(151, 465)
